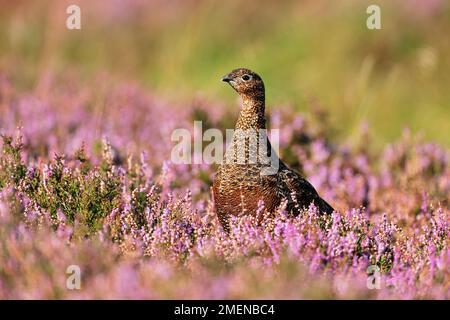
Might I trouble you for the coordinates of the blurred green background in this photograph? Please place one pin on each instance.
(308, 52)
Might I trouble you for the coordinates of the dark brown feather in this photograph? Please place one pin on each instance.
(238, 187)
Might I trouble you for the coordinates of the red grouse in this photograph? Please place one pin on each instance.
(243, 179)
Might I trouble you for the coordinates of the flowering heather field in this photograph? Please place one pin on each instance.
(86, 179)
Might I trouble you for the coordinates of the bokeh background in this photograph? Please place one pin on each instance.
(316, 53)
(87, 179)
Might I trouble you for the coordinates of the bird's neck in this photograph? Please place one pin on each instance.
(245, 147)
(252, 115)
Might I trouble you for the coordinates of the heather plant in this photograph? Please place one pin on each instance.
(93, 186)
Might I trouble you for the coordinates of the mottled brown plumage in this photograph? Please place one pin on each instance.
(240, 181)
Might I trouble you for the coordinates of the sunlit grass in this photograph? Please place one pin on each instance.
(314, 50)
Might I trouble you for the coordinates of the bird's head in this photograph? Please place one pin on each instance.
(245, 82)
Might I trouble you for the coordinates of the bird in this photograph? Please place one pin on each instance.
(240, 183)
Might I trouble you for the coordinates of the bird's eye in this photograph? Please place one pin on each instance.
(246, 77)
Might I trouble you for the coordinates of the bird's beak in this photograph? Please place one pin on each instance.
(227, 78)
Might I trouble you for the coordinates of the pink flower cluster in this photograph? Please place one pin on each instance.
(87, 181)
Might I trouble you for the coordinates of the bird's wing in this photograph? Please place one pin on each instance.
(299, 192)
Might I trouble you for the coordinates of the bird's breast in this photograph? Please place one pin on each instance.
(241, 187)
